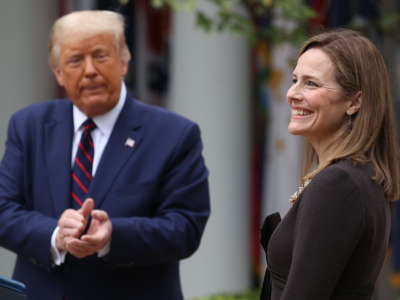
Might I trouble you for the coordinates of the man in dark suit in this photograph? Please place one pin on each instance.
(100, 195)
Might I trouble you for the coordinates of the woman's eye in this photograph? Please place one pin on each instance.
(312, 83)
(294, 80)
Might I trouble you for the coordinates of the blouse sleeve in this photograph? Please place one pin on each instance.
(328, 227)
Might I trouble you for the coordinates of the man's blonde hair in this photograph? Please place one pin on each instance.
(84, 24)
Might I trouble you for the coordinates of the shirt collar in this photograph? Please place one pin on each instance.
(105, 123)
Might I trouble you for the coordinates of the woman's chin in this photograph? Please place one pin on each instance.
(295, 130)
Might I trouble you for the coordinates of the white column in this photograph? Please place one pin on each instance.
(210, 85)
(24, 74)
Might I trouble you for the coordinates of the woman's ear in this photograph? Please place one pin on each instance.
(354, 104)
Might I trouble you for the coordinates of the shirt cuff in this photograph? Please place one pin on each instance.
(57, 256)
(105, 250)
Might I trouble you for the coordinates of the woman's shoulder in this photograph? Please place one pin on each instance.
(332, 197)
(344, 185)
(341, 174)
(338, 185)
(346, 173)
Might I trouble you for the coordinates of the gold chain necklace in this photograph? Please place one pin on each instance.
(297, 193)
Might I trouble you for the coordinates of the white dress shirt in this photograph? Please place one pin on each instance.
(100, 136)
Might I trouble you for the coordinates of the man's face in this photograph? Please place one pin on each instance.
(91, 71)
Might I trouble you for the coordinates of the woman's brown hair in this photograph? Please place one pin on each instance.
(360, 68)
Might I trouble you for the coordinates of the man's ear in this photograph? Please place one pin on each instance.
(354, 104)
(58, 74)
(124, 68)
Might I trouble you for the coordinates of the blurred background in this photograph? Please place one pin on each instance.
(226, 64)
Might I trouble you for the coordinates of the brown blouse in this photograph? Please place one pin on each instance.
(332, 242)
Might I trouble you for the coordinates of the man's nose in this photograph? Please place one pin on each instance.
(90, 69)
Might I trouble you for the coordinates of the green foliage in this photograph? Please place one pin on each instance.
(175, 4)
(390, 21)
(295, 10)
(233, 16)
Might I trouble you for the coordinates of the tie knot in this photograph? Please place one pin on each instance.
(88, 125)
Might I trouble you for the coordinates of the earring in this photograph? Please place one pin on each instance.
(349, 124)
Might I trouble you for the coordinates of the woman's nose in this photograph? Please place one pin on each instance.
(293, 93)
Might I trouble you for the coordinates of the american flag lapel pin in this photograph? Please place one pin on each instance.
(130, 142)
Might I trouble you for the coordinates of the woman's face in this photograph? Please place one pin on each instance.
(317, 102)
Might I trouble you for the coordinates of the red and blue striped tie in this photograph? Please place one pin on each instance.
(82, 170)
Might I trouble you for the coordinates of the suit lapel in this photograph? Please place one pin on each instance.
(58, 141)
(123, 142)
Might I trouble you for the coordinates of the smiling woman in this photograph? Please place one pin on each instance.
(318, 103)
(332, 242)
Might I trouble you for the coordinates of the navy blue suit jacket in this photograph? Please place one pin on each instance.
(155, 193)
